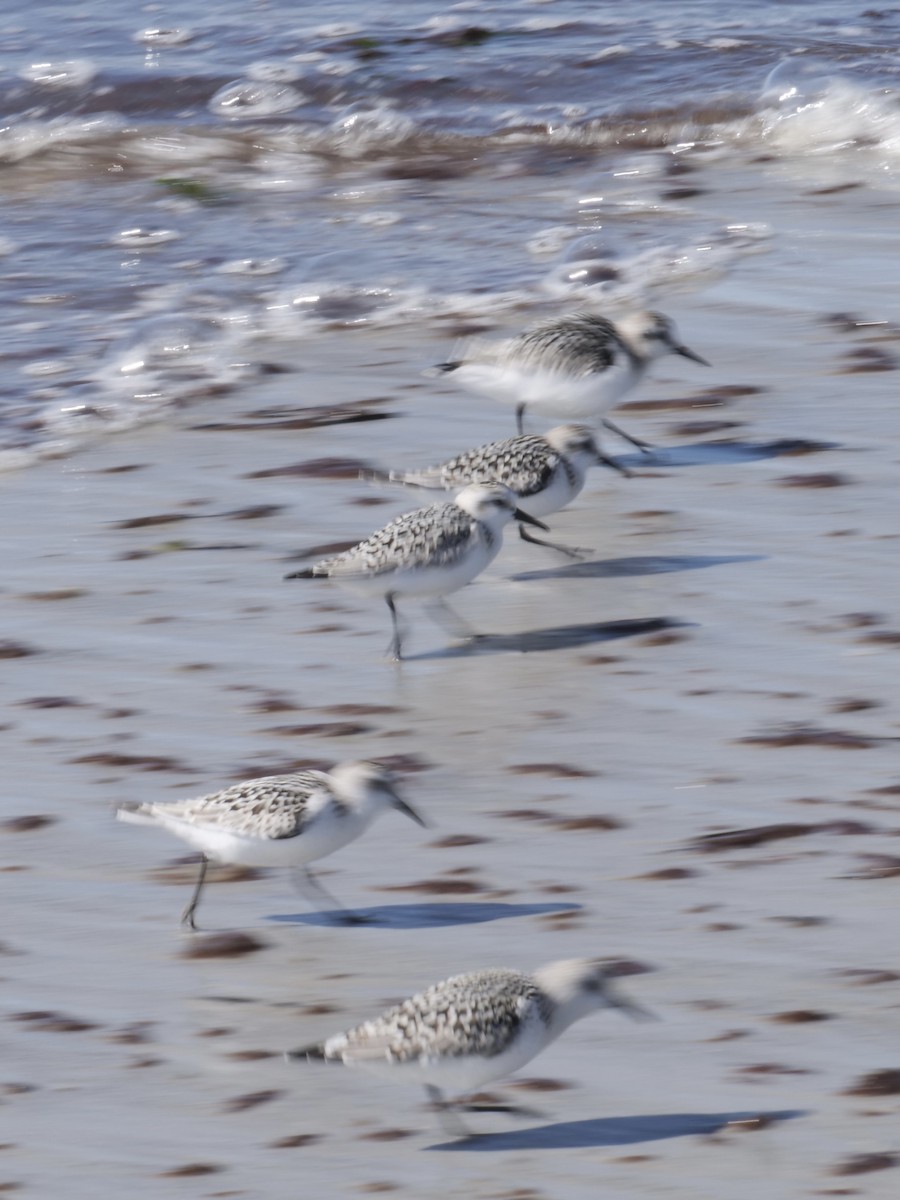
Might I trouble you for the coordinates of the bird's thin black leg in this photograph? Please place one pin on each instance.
(509, 1110)
(187, 917)
(520, 418)
(446, 1114)
(454, 624)
(616, 466)
(645, 446)
(316, 893)
(395, 649)
(570, 551)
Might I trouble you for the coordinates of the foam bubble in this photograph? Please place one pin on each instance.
(748, 237)
(43, 368)
(254, 98)
(162, 357)
(282, 173)
(253, 266)
(145, 239)
(796, 82)
(75, 72)
(163, 37)
(380, 219)
(591, 246)
(549, 241)
(590, 277)
(161, 342)
(180, 148)
(337, 67)
(16, 459)
(24, 139)
(363, 127)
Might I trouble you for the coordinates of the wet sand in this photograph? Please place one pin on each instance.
(753, 689)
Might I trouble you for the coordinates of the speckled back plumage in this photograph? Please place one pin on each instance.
(474, 1014)
(436, 536)
(272, 807)
(579, 344)
(525, 464)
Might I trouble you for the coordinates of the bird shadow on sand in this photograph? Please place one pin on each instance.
(428, 916)
(637, 564)
(610, 1131)
(711, 454)
(558, 637)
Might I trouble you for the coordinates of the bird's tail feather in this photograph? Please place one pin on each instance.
(403, 479)
(135, 814)
(442, 368)
(376, 475)
(314, 1053)
(306, 573)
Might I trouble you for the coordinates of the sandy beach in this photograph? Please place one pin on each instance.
(722, 663)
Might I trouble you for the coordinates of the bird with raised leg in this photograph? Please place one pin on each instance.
(427, 553)
(278, 821)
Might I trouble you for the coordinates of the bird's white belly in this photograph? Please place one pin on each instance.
(435, 580)
(557, 495)
(550, 393)
(466, 1073)
(585, 397)
(224, 846)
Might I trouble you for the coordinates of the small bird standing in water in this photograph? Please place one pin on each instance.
(430, 552)
(278, 820)
(470, 1030)
(572, 368)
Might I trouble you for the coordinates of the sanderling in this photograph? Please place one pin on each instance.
(575, 367)
(429, 552)
(546, 471)
(473, 1029)
(278, 820)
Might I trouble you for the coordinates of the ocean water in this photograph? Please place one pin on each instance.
(189, 197)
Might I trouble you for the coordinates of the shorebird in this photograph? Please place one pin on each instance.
(572, 368)
(470, 1030)
(429, 552)
(278, 820)
(546, 471)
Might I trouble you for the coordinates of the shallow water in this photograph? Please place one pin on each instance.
(185, 203)
(724, 658)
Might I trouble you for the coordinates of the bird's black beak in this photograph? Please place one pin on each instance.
(408, 811)
(527, 520)
(630, 1009)
(686, 353)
